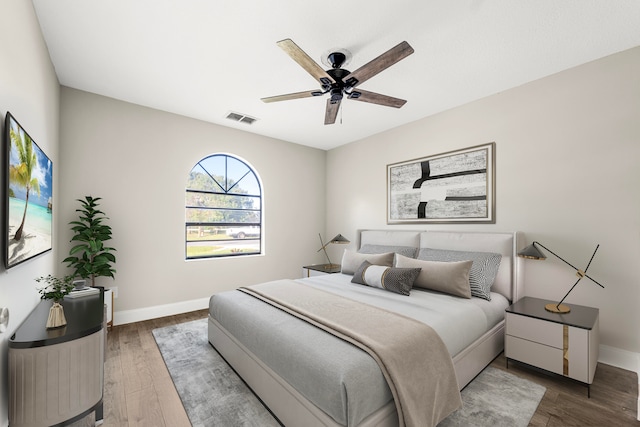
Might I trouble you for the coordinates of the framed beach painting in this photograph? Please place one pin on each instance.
(453, 187)
(28, 199)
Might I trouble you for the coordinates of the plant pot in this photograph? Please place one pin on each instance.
(56, 316)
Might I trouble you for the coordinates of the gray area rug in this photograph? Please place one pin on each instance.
(211, 392)
(496, 398)
(213, 395)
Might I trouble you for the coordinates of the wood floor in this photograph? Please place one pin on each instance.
(139, 391)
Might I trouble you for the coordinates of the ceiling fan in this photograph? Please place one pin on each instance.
(339, 82)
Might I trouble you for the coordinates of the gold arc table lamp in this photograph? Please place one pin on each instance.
(339, 239)
(532, 252)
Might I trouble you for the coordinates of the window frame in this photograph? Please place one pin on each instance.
(227, 191)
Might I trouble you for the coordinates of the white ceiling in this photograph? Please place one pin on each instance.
(206, 58)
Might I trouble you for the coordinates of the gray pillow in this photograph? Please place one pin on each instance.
(483, 270)
(448, 277)
(398, 280)
(351, 260)
(408, 251)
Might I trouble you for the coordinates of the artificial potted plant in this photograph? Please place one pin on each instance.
(89, 257)
(55, 289)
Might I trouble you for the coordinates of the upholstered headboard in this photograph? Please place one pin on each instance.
(508, 281)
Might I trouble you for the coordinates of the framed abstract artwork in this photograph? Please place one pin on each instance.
(28, 200)
(453, 187)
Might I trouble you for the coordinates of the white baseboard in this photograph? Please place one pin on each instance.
(619, 358)
(148, 313)
(609, 355)
(622, 359)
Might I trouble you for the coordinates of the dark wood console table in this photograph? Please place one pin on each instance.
(56, 376)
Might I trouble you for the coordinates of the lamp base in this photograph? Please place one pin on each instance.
(555, 308)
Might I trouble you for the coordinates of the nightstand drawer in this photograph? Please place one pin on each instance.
(536, 330)
(535, 354)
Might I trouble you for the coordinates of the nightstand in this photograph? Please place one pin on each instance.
(320, 269)
(566, 344)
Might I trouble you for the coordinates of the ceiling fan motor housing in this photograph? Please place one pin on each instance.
(338, 74)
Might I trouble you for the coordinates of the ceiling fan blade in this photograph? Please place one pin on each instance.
(305, 61)
(332, 112)
(297, 95)
(376, 98)
(382, 62)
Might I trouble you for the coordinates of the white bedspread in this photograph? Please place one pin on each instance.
(458, 321)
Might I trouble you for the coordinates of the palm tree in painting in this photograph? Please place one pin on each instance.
(20, 174)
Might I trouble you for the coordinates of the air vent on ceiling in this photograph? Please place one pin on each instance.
(242, 118)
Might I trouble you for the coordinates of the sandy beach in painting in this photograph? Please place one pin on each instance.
(36, 235)
(31, 244)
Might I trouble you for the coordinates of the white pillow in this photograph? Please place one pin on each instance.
(409, 251)
(351, 260)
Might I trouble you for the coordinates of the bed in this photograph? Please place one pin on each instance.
(309, 377)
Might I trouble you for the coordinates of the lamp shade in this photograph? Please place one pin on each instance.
(531, 252)
(340, 239)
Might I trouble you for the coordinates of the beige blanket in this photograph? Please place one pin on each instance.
(411, 355)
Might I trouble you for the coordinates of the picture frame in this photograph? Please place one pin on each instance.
(28, 202)
(453, 187)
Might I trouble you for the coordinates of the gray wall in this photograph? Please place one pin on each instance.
(567, 150)
(138, 160)
(29, 89)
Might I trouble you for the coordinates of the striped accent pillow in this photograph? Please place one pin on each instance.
(483, 270)
(398, 280)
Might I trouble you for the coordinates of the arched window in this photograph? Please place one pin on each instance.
(223, 209)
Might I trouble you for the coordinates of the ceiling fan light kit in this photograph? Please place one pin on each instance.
(338, 81)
